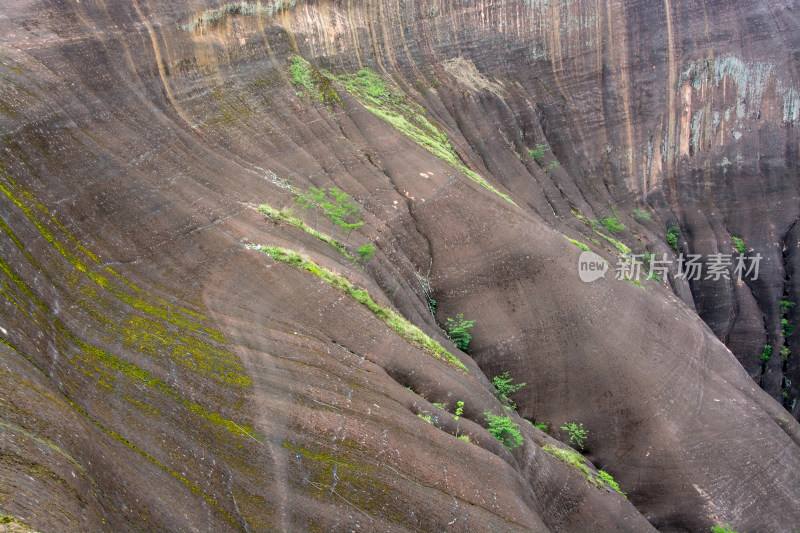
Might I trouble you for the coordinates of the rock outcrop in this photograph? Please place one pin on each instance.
(160, 371)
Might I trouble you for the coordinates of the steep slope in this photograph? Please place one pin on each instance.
(161, 372)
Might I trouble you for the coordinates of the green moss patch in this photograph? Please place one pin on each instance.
(576, 460)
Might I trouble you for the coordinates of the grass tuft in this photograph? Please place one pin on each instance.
(579, 244)
(576, 460)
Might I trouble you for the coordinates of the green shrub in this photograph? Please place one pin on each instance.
(465, 438)
(785, 352)
(786, 305)
(554, 165)
(767, 353)
(612, 224)
(576, 433)
(642, 214)
(342, 212)
(366, 251)
(788, 328)
(738, 243)
(457, 331)
(426, 417)
(504, 430)
(537, 153)
(573, 458)
(504, 389)
(542, 426)
(673, 233)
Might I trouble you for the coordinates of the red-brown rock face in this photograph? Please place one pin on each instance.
(160, 371)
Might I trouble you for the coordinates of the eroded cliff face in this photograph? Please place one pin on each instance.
(161, 372)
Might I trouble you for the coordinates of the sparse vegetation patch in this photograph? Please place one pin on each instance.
(403, 327)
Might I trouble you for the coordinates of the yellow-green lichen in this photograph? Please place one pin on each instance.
(165, 319)
(92, 355)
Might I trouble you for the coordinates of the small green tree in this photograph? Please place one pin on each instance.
(504, 388)
(459, 410)
(342, 212)
(311, 199)
(504, 429)
(767, 353)
(457, 415)
(738, 243)
(366, 251)
(576, 433)
(786, 305)
(788, 328)
(672, 237)
(457, 331)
